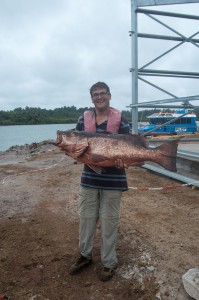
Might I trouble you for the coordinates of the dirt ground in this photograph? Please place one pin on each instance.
(157, 240)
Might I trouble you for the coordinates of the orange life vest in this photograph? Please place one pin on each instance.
(113, 123)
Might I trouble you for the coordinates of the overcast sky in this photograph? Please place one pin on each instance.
(52, 51)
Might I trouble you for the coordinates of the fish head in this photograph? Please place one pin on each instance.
(73, 143)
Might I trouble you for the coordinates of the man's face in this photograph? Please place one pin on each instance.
(101, 98)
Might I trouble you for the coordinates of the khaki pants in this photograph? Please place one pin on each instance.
(102, 205)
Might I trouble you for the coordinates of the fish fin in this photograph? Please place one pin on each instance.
(168, 152)
(97, 170)
(139, 141)
(74, 154)
(96, 158)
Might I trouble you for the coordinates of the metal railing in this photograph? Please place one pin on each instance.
(138, 73)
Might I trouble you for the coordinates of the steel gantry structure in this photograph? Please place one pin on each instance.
(139, 72)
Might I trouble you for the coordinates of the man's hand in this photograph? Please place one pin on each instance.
(120, 165)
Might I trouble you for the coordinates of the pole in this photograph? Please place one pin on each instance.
(134, 62)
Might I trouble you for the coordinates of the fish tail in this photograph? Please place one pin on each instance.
(168, 153)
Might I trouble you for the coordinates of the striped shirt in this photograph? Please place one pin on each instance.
(111, 178)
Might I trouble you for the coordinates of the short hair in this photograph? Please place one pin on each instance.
(99, 85)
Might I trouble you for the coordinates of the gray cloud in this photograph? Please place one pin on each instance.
(51, 52)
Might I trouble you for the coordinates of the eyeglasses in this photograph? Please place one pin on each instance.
(96, 95)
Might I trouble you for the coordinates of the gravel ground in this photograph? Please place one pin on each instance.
(157, 240)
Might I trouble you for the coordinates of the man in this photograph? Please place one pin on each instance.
(100, 195)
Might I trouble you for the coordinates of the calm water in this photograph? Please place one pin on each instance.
(27, 134)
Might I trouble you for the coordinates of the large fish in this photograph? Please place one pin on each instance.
(100, 150)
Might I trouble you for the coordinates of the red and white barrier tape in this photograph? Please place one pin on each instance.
(143, 188)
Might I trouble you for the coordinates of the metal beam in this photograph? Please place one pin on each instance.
(168, 73)
(166, 37)
(163, 2)
(166, 106)
(182, 99)
(134, 69)
(176, 176)
(166, 14)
